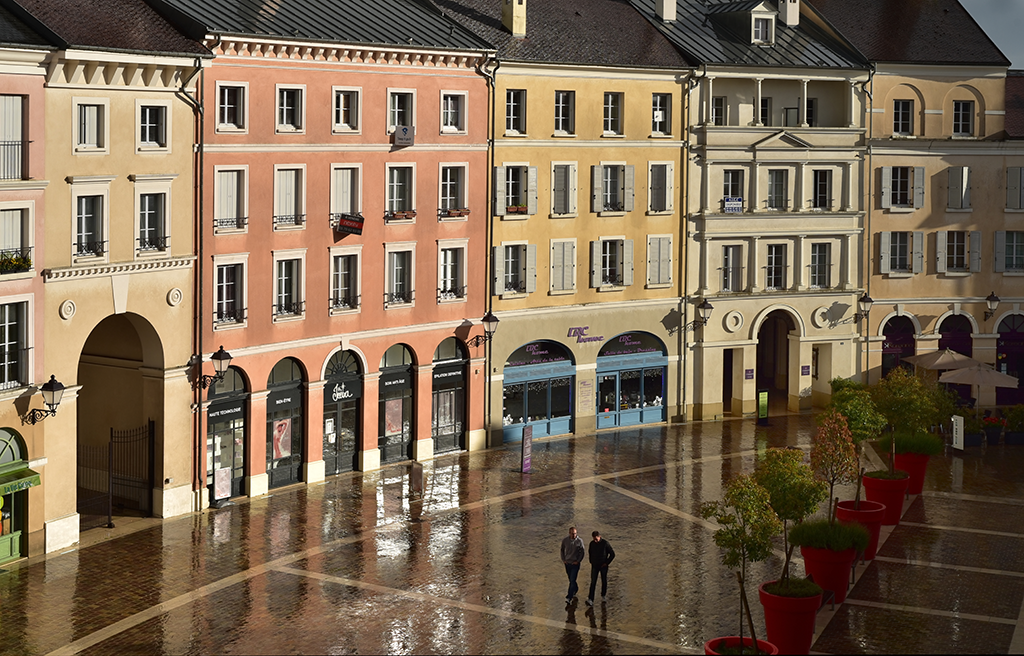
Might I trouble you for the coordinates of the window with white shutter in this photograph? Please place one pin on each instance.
(659, 260)
(563, 265)
(229, 210)
(288, 211)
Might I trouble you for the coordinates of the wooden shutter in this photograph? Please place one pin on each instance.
(573, 183)
(531, 268)
(570, 264)
(966, 187)
(975, 252)
(595, 263)
(956, 181)
(531, 190)
(1013, 188)
(665, 260)
(886, 187)
(560, 189)
(628, 187)
(670, 187)
(499, 191)
(627, 262)
(498, 262)
(941, 238)
(884, 252)
(657, 201)
(919, 180)
(1000, 251)
(10, 118)
(596, 204)
(917, 264)
(557, 265)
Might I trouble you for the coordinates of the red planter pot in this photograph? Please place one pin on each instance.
(888, 493)
(869, 516)
(914, 464)
(789, 621)
(763, 646)
(830, 569)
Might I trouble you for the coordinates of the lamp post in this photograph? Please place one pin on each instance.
(52, 391)
(490, 323)
(864, 304)
(992, 302)
(704, 310)
(221, 361)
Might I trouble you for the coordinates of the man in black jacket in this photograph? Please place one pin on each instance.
(601, 556)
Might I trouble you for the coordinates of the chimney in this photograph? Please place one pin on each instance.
(789, 12)
(513, 17)
(665, 9)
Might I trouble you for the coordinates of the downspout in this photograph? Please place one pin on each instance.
(868, 88)
(489, 76)
(692, 83)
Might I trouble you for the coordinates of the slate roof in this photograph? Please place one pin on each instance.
(391, 22)
(589, 32)
(704, 33)
(14, 32)
(912, 31)
(123, 25)
(1015, 104)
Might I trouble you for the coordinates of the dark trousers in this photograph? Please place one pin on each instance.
(594, 571)
(572, 571)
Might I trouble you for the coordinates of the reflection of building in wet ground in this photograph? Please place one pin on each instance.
(354, 565)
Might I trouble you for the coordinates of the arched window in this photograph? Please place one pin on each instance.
(449, 349)
(11, 451)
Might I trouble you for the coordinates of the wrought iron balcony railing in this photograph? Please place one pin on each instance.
(229, 315)
(344, 301)
(236, 223)
(154, 243)
(451, 293)
(398, 298)
(289, 309)
(289, 219)
(15, 260)
(12, 160)
(515, 286)
(90, 248)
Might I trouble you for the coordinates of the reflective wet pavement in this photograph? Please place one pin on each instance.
(354, 566)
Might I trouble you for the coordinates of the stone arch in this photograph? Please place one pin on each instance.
(13, 448)
(355, 350)
(945, 315)
(963, 92)
(914, 320)
(798, 321)
(905, 91)
(408, 349)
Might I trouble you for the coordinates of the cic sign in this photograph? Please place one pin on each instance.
(580, 333)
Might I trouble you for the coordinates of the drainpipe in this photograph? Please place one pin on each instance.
(692, 83)
(489, 76)
(868, 88)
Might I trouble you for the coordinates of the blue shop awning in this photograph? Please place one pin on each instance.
(19, 480)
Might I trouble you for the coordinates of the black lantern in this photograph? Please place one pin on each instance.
(704, 312)
(221, 361)
(864, 304)
(992, 302)
(490, 323)
(52, 391)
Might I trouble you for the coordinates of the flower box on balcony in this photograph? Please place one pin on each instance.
(516, 209)
(402, 214)
(453, 213)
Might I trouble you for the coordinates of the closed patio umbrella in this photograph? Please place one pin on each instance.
(944, 359)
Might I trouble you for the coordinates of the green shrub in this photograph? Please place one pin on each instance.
(865, 422)
(793, 587)
(923, 443)
(820, 534)
(887, 475)
(844, 384)
(1015, 418)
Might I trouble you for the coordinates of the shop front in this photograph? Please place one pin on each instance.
(284, 424)
(448, 405)
(538, 391)
(631, 380)
(395, 413)
(342, 418)
(225, 436)
(15, 480)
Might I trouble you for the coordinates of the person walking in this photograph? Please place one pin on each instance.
(601, 556)
(572, 556)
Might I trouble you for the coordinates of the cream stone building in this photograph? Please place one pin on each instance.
(117, 294)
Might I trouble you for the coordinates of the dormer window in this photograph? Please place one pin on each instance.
(763, 31)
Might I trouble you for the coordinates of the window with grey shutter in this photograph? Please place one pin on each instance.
(531, 190)
(562, 265)
(959, 187)
(499, 191)
(1000, 251)
(1013, 188)
(596, 189)
(919, 180)
(627, 262)
(531, 268)
(658, 191)
(1010, 251)
(595, 263)
(918, 261)
(659, 260)
(884, 252)
(498, 264)
(628, 188)
(886, 189)
(560, 189)
(941, 238)
(975, 251)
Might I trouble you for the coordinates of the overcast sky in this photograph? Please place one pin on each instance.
(1003, 20)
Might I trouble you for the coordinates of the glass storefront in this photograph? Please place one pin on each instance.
(538, 392)
(342, 417)
(447, 418)
(395, 415)
(284, 424)
(225, 436)
(631, 380)
(15, 479)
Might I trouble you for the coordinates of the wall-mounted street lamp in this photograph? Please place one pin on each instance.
(864, 304)
(992, 302)
(490, 323)
(704, 310)
(221, 361)
(52, 391)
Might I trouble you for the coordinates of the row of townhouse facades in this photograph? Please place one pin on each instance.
(340, 198)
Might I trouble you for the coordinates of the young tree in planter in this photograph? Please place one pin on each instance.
(833, 456)
(905, 403)
(748, 525)
(795, 495)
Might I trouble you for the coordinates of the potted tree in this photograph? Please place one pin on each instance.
(790, 604)
(912, 453)
(1015, 426)
(748, 525)
(829, 548)
(993, 428)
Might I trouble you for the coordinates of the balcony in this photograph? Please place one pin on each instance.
(343, 302)
(289, 309)
(289, 220)
(613, 279)
(451, 293)
(15, 260)
(398, 298)
(515, 286)
(154, 244)
(614, 207)
(236, 223)
(12, 160)
(227, 316)
(90, 248)
(399, 215)
(516, 209)
(452, 213)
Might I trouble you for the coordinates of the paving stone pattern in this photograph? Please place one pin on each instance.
(354, 565)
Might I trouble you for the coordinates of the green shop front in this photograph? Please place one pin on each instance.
(15, 480)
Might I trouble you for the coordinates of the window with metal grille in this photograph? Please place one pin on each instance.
(822, 194)
(963, 118)
(229, 212)
(901, 190)
(451, 187)
(228, 303)
(611, 262)
(515, 111)
(343, 282)
(450, 278)
(903, 117)
(89, 226)
(515, 186)
(612, 113)
(400, 188)
(289, 288)
(289, 198)
(400, 283)
(732, 268)
(151, 222)
(515, 262)
(821, 266)
(612, 188)
(775, 271)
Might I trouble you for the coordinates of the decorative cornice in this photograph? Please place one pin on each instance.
(97, 69)
(24, 185)
(79, 273)
(249, 46)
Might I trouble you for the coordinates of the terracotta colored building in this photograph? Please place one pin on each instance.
(342, 222)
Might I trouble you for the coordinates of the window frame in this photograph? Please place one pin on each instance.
(26, 341)
(719, 116)
(243, 111)
(390, 249)
(733, 274)
(765, 111)
(243, 199)
(613, 123)
(667, 114)
(552, 289)
(102, 127)
(234, 259)
(570, 109)
(390, 212)
(515, 121)
(300, 198)
(141, 104)
(772, 187)
(458, 292)
(356, 252)
(669, 185)
(820, 269)
(1016, 243)
(300, 109)
(895, 256)
(463, 101)
(571, 190)
(768, 23)
(27, 208)
(462, 202)
(624, 263)
(394, 93)
(655, 241)
(900, 121)
(958, 119)
(341, 127)
(357, 187)
(729, 184)
(775, 271)
(297, 255)
(90, 186)
(146, 185)
(822, 199)
(523, 286)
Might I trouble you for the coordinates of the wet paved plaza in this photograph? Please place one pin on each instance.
(354, 566)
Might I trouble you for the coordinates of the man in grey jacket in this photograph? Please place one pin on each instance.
(572, 555)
